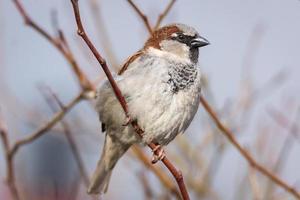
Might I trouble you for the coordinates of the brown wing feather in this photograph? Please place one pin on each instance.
(159, 35)
(129, 61)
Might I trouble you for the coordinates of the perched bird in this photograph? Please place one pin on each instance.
(161, 85)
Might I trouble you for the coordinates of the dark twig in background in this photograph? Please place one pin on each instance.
(62, 46)
(45, 127)
(147, 189)
(287, 145)
(97, 55)
(164, 179)
(164, 14)
(11, 152)
(60, 43)
(52, 99)
(245, 154)
(142, 16)
(10, 177)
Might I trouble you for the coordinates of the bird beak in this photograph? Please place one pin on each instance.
(199, 42)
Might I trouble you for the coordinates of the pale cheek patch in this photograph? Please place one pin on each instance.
(179, 49)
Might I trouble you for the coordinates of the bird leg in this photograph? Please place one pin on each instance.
(158, 154)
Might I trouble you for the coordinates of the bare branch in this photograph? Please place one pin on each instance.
(159, 174)
(76, 153)
(11, 152)
(177, 174)
(142, 16)
(45, 127)
(282, 121)
(145, 18)
(164, 14)
(59, 43)
(62, 46)
(101, 60)
(102, 33)
(3, 134)
(254, 184)
(148, 193)
(10, 174)
(287, 145)
(68, 134)
(245, 154)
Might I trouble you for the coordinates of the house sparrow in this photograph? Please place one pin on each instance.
(161, 85)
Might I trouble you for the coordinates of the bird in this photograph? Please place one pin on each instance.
(161, 84)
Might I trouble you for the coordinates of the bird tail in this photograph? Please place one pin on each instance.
(113, 150)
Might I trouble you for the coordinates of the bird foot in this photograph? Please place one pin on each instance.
(158, 154)
(128, 121)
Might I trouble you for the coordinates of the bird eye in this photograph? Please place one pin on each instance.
(180, 36)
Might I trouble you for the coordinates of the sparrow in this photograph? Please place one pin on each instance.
(161, 85)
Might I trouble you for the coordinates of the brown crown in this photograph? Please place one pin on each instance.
(159, 35)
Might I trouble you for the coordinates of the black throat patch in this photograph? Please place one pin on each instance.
(194, 53)
(182, 77)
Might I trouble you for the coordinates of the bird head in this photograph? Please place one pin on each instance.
(179, 40)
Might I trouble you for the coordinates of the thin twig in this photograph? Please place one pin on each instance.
(45, 127)
(148, 193)
(254, 184)
(164, 14)
(11, 152)
(282, 121)
(59, 44)
(3, 134)
(102, 33)
(177, 174)
(245, 154)
(286, 146)
(68, 134)
(159, 174)
(10, 174)
(142, 16)
(100, 59)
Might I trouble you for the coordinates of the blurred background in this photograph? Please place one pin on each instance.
(251, 76)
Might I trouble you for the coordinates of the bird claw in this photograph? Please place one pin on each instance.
(158, 154)
(127, 121)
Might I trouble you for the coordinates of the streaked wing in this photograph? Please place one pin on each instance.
(129, 61)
